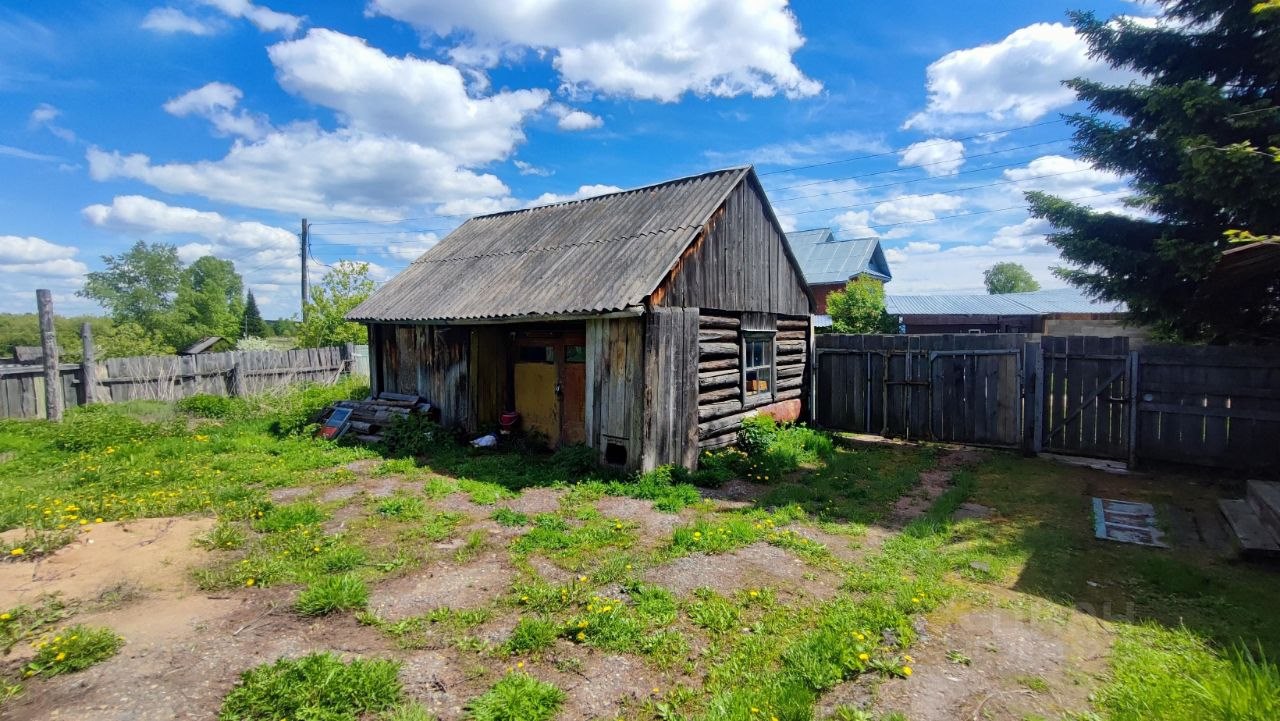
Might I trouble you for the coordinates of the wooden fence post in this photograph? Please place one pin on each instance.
(1134, 399)
(237, 381)
(348, 354)
(1032, 397)
(49, 347)
(88, 365)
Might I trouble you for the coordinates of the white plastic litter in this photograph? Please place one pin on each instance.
(488, 441)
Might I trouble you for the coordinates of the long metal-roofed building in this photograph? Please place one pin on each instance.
(829, 262)
(645, 323)
(1060, 311)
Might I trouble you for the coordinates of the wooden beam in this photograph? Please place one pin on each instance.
(717, 349)
(49, 348)
(88, 366)
(718, 364)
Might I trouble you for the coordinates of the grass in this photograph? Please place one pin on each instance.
(71, 649)
(316, 686)
(333, 593)
(531, 634)
(517, 697)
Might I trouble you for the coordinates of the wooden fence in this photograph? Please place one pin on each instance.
(167, 378)
(1078, 395)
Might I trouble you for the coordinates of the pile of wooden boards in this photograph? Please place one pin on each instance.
(370, 417)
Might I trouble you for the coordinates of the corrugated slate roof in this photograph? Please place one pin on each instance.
(594, 255)
(827, 259)
(1040, 302)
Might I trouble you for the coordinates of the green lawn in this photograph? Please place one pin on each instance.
(1182, 619)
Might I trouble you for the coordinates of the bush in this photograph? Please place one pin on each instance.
(774, 449)
(531, 634)
(297, 410)
(73, 649)
(210, 406)
(318, 686)
(332, 593)
(413, 435)
(517, 697)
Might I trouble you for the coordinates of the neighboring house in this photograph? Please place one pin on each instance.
(211, 344)
(646, 323)
(829, 263)
(1063, 311)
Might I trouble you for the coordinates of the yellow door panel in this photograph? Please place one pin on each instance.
(536, 399)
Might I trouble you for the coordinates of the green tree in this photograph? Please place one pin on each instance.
(209, 302)
(125, 340)
(1191, 137)
(253, 326)
(1009, 277)
(137, 286)
(859, 308)
(345, 286)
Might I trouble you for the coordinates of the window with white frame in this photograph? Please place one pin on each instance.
(757, 365)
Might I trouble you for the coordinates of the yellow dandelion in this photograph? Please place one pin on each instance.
(249, 582)
(906, 670)
(582, 636)
(98, 520)
(5, 616)
(864, 657)
(520, 664)
(17, 552)
(908, 658)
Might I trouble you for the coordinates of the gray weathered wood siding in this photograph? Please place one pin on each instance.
(671, 388)
(720, 407)
(615, 379)
(430, 361)
(738, 263)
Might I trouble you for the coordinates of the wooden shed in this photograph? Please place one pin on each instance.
(646, 323)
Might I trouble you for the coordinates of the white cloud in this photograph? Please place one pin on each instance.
(585, 191)
(302, 169)
(893, 255)
(28, 263)
(800, 152)
(16, 250)
(530, 169)
(1016, 79)
(136, 213)
(1026, 235)
(265, 19)
(411, 249)
(855, 224)
(936, 156)
(572, 119)
(414, 99)
(654, 49)
(44, 116)
(921, 247)
(216, 102)
(12, 152)
(1060, 175)
(914, 208)
(170, 21)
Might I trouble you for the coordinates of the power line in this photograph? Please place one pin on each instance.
(925, 195)
(988, 212)
(887, 153)
(920, 165)
(923, 180)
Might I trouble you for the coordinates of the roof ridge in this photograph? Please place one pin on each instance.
(673, 181)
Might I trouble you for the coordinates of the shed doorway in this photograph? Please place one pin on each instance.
(551, 384)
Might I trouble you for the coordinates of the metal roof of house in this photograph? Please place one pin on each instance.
(827, 259)
(594, 255)
(1040, 302)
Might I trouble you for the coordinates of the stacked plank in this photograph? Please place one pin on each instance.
(370, 417)
(720, 406)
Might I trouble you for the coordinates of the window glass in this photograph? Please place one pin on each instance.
(757, 370)
(536, 354)
(575, 354)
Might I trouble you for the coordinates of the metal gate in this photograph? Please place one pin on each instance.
(1088, 400)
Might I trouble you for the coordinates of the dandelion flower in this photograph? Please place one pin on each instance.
(249, 582)
(864, 657)
(5, 616)
(520, 664)
(97, 520)
(16, 552)
(906, 670)
(62, 656)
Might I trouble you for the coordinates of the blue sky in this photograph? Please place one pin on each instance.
(216, 125)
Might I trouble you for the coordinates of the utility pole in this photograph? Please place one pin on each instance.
(304, 253)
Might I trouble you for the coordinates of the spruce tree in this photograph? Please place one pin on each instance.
(1197, 136)
(253, 324)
